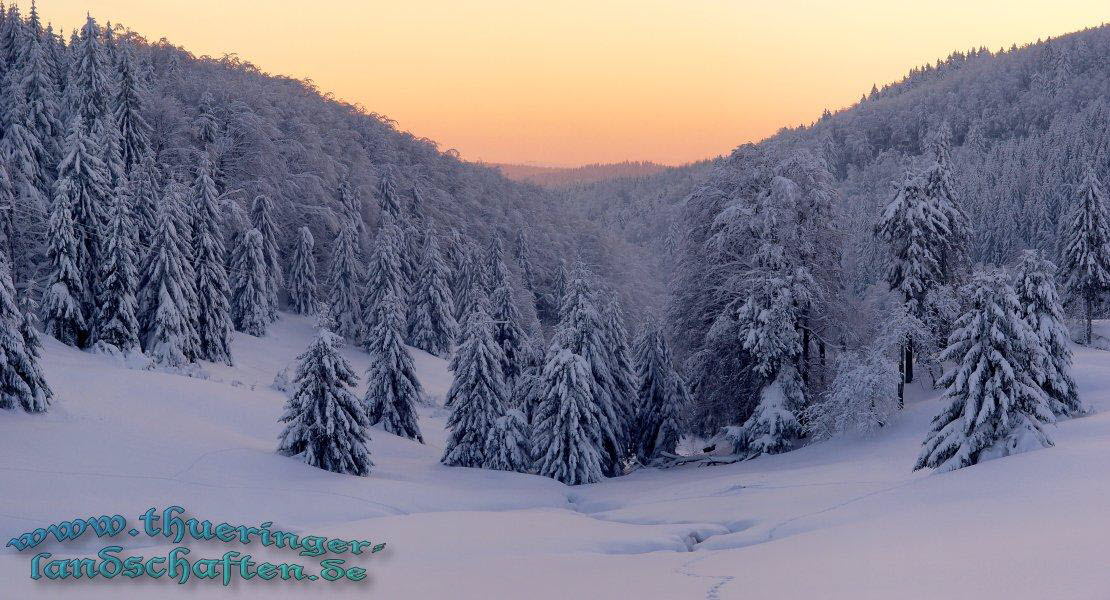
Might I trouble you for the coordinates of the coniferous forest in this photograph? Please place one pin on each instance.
(946, 238)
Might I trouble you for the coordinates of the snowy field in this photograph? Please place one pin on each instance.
(843, 519)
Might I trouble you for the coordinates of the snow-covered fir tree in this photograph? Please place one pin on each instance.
(582, 332)
(478, 395)
(345, 286)
(951, 220)
(213, 317)
(22, 383)
(507, 331)
(392, 389)
(624, 380)
(1087, 249)
(524, 261)
(509, 444)
(661, 397)
(995, 405)
(146, 189)
(62, 309)
(116, 323)
(432, 325)
(385, 274)
(1035, 286)
(388, 199)
(88, 176)
(494, 272)
(565, 430)
(39, 88)
(128, 107)
(326, 424)
(163, 310)
(302, 274)
(262, 218)
(467, 278)
(250, 298)
(179, 200)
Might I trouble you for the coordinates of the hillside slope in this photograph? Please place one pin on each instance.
(120, 441)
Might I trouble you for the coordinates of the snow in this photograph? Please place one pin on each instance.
(839, 519)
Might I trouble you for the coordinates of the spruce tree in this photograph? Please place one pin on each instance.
(524, 261)
(507, 332)
(178, 198)
(1087, 249)
(262, 218)
(661, 397)
(302, 275)
(250, 300)
(116, 322)
(23, 151)
(995, 406)
(1035, 287)
(130, 95)
(213, 310)
(146, 186)
(163, 306)
(392, 387)
(509, 443)
(944, 205)
(432, 325)
(581, 331)
(82, 166)
(326, 423)
(343, 298)
(494, 272)
(388, 200)
(385, 275)
(89, 88)
(39, 88)
(624, 381)
(22, 383)
(467, 279)
(62, 307)
(564, 428)
(477, 396)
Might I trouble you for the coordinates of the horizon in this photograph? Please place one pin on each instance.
(727, 76)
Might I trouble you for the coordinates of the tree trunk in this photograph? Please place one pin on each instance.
(901, 380)
(805, 353)
(1090, 315)
(909, 361)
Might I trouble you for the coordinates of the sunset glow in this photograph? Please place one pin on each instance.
(577, 82)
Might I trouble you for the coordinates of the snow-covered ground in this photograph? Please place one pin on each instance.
(843, 519)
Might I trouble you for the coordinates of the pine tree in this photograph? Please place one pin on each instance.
(89, 89)
(22, 150)
(116, 323)
(507, 332)
(163, 305)
(467, 279)
(325, 422)
(302, 275)
(624, 382)
(178, 199)
(995, 406)
(564, 429)
(213, 322)
(146, 186)
(39, 89)
(133, 128)
(343, 299)
(1035, 287)
(62, 309)
(509, 444)
(392, 387)
(661, 397)
(581, 331)
(388, 201)
(82, 166)
(1087, 249)
(22, 383)
(351, 204)
(939, 190)
(385, 274)
(432, 325)
(494, 272)
(250, 302)
(524, 261)
(477, 396)
(262, 217)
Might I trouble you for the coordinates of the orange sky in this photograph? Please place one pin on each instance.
(566, 82)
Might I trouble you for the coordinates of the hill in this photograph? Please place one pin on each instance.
(554, 177)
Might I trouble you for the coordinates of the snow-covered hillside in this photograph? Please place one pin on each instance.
(843, 519)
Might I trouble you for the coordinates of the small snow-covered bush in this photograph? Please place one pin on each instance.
(862, 397)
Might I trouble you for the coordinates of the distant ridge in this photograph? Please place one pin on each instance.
(564, 176)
